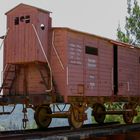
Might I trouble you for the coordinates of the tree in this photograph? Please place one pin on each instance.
(131, 34)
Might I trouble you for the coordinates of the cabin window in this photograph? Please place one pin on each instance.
(24, 19)
(27, 19)
(16, 20)
(91, 50)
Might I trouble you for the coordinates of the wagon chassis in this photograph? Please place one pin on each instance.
(76, 112)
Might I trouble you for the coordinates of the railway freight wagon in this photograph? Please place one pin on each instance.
(46, 68)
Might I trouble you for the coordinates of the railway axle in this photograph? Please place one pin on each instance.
(59, 115)
(116, 112)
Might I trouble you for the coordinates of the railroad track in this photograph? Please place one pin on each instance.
(65, 132)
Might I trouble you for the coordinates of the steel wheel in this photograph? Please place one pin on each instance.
(128, 116)
(73, 119)
(41, 118)
(97, 109)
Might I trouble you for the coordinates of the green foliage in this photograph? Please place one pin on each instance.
(132, 26)
(137, 118)
(122, 36)
(114, 118)
(32, 125)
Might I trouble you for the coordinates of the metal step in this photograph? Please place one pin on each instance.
(6, 87)
(4, 84)
(10, 71)
(9, 79)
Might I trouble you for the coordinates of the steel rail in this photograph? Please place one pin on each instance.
(65, 132)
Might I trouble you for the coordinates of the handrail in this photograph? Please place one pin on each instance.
(58, 57)
(2, 76)
(67, 75)
(128, 86)
(42, 49)
(4, 38)
(112, 79)
(2, 73)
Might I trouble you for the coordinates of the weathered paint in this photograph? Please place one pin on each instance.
(94, 72)
(21, 44)
(76, 72)
(128, 63)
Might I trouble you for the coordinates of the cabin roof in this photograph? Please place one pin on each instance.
(22, 4)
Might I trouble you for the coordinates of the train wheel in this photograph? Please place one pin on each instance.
(97, 109)
(128, 116)
(74, 119)
(41, 118)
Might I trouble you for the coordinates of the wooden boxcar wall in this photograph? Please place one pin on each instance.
(21, 45)
(59, 42)
(28, 80)
(105, 68)
(128, 71)
(90, 65)
(85, 73)
(92, 73)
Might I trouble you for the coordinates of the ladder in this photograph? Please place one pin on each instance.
(9, 76)
(45, 75)
(46, 81)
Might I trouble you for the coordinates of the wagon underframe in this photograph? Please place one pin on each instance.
(38, 99)
(77, 106)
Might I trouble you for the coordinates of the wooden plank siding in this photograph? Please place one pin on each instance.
(128, 62)
(59, 74)
(85, 65)
(22, 48)
(94, 72)
(22, 45)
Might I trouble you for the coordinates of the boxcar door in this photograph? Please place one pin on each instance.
(91, 71)
(127, 71)
(106, 68)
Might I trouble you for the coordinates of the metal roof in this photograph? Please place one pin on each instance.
(104, 38)
(43, 10)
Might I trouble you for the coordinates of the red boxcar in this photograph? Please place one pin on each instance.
(94, 66)
(45, 65)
